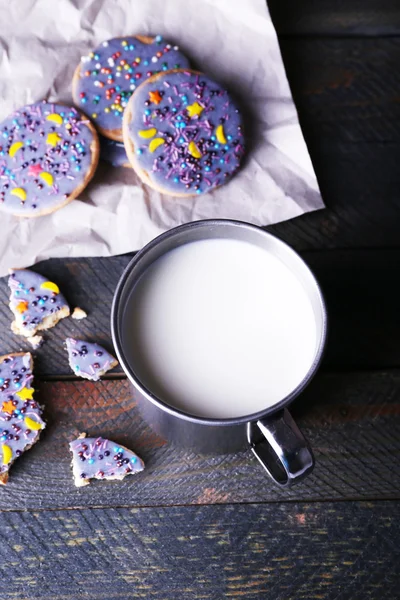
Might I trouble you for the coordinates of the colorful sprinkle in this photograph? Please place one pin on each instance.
(147, 133)
(20, 193)
(55, 118)
(14, 148)
(154, 144)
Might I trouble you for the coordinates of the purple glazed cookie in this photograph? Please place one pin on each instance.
(183, 133)
(97, 458)
(88, 360)
(105, 79)
(48, 154)
(113, 152)
(35, 302)
(20, 416)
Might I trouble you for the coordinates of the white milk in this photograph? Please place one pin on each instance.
(220, 328)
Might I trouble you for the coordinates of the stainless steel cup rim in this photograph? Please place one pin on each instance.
(128, 369)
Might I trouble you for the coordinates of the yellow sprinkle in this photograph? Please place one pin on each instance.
(194, 109)
(126, 67)
(147, 133)
(91, 54)
(194, 151)
(94, 115)
(20, 193)
(53, 139)
(7, 454)
(107, 110)
(119, 68)
(47, 178)
(138, 59)
(25, 393)
(14, 148)
(55, 118)
(31, 424)
(220, 134)
(49, 285)
(155, 143)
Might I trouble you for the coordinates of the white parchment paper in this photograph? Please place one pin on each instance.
(41, 42)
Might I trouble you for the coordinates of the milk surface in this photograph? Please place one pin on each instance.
(220, 328)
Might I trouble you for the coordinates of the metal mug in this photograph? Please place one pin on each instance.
(272, 434)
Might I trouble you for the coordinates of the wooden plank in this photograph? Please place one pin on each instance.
(346, 94)
(280, 551)
(361, 291)
(352, 421)
(342, 17)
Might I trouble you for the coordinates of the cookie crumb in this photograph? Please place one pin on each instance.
(36, 341)
(78, 313)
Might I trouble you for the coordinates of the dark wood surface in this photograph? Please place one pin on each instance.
(212, 527)
(318, 551)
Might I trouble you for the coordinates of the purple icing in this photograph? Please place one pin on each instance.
(46, 169)
(110, 74)
(97, 458)
(89, 360)
(17, 408)
(32, 299)
(113, 152)
(166, 106)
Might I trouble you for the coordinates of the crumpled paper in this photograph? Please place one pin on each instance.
(41, 42)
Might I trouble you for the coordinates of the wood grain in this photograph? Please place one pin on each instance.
(352, 422)
(328, 551)
(360, 288)
(327, 18)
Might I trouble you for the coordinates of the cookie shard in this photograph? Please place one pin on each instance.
(20, 415)
(35, 302)
(89, 360)
(99, 458)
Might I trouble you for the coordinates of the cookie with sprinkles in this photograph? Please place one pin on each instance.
(20, 416)
(35, 302)
(89, 360)
(113, 152)
(48, 154)
(106, 78)
(98, 458)
(183, 133)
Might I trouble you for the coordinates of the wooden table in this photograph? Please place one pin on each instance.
(212, 528)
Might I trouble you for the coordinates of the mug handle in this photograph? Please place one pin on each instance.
(281, 448)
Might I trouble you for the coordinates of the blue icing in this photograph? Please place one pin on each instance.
(113, 152)
(186, 132)
(32, 300)
(110, 74)
(37, 172)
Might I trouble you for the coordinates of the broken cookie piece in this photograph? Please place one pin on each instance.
(97, 458)
(36, 341)
(78, 313)
(20, 416)
(36, 303)
(88, 360)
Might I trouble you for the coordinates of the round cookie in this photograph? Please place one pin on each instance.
(48, 154)
(105, 79)
(113, 152)
(183, 133)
